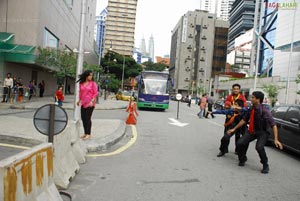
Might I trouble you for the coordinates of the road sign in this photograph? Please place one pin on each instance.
(50, 120)
(178, 97)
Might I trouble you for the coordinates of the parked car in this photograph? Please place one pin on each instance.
(287, 118)
(219, 104)
(125, 95)
(265, 105)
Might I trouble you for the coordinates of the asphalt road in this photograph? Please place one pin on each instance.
(169, 162)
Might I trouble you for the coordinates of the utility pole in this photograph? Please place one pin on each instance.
(123, 72)
(80, 58)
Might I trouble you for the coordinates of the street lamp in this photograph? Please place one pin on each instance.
(107, 71)
(80, 58)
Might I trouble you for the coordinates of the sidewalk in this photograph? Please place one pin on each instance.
(21, 131)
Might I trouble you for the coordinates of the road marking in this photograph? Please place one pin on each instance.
(14, 146)
(121, 149)
(177, 123)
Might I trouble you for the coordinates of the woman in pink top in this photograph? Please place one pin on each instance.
(203, 101)
(88, 91)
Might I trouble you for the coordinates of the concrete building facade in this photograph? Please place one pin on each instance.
(193, 58)
(120, 26)
(286, 62)
(46, 24)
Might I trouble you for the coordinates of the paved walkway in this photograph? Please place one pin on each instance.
(21, 131)
(36, 102)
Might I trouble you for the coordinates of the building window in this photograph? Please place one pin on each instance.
(69, 3)
(50, 40)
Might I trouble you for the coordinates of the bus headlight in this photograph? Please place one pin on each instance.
(165, 101)
(141, 99)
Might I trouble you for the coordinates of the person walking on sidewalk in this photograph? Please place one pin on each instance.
(210, 103)
(42, 88)
(31, 89)
(59, 96)
(7, 86)
(202, 105)
(259, 119)
(88, 92)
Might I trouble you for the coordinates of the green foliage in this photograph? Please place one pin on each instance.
(272, 91)
(63, 63)
(114, 62)
(298, 82)
(110, 82)
(155, 66)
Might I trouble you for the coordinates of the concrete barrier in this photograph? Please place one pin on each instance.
(28, 176)
(65, 163)
(79, 149)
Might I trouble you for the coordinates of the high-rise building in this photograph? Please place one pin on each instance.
(151, 48)
(198, 51)
(239, 57)
(143, 47)
(137, 55)
(223, 8)
(209, 5)
(241, 19)
(120, 26)
(46, 24)
(219, 7)
(100, 31)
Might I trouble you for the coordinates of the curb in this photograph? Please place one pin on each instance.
(92, 145)
(106, 142)
(20, 139)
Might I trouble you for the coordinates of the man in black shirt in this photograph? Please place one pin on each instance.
(259, 119)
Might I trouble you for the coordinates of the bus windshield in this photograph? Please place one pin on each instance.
(155, 87)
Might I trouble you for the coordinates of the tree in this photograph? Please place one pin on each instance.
(155, 66)
(272, 91)
(112, 65)
(62, 63)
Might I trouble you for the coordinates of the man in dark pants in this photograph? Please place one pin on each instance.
(233, 117)
(7, 86)
(259, 119)
(210, 102)
(232, 98)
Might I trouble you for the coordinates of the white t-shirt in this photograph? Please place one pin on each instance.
(8, 82)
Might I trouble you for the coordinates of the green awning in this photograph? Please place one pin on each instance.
(6, 37)
(14, 52)
(13, 48)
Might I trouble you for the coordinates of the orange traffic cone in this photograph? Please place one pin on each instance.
(134, 109)
(131, 118)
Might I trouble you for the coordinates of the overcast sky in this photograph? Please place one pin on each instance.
(157, 17)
